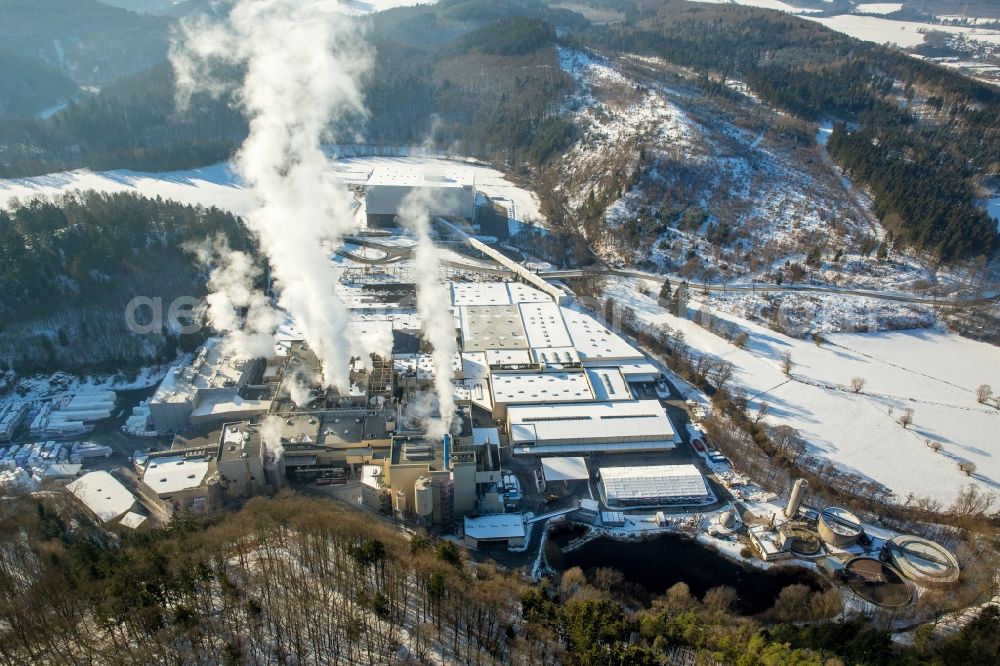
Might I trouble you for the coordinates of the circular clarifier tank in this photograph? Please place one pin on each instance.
(805, 542)
(923, 561)
(878, 582)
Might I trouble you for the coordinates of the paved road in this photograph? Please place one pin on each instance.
(768, 287)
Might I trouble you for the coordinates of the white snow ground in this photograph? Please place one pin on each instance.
(930, 371)
(361, 7)
(217, 185)
(213, 185)
(905, 34)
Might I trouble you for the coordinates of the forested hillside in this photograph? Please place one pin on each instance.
(131, 124)
(935, 130)
(493, 94)
(296, 580)
(68, 269)
(89, 41)
(28, 85)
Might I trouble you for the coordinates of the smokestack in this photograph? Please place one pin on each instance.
(303, 62)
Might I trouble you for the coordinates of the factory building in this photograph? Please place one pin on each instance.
(103, 496)
(211, 389)
(450, 194)
(506, 529)
(202, 474)
(590, 427)
(654, 485)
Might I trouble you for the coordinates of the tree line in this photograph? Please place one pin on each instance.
(301, 580)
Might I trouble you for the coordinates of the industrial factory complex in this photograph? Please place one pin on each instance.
(532, 379)
(553, 416)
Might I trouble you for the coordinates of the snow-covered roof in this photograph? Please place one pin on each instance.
(174, 473)
(577, 423)
(608, 384)
(132, 520)
(479, 293)
(521, 387)
(555, 357)
(594, 341)
(524, 293)
(496, 526)
(422, 365)
(103, 494)
(508, 357)
(409, 176)
(224, 407)
(564, 469)
(631, 370)
(652, 482)
(474, 365)
(543, 323)
(213, 368)
(486, 327)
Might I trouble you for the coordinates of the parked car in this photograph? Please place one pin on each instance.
(662, 390)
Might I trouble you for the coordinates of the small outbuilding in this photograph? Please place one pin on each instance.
(503, 528)
(570, 468)
(102, 495)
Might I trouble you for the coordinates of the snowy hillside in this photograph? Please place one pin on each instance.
(720, 188)
(932, 372)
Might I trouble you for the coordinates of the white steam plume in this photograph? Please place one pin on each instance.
(433, 306)
(231, 287)
(298, 388)
(270, 435)
(303, 61)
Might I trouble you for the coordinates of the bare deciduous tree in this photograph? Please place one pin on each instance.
(967, 467)
(786, 364)
(858, 384)
(983, 393)
(906, 418)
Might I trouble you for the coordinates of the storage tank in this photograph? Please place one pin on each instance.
(877, 582)
(214, 495)
(795, 499)
(423, 497)
(805, 542)
(922, 560)
(839, 527)
(399, 504)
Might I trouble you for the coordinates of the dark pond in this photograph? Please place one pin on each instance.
(658, 563)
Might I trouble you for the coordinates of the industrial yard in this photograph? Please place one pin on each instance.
(554, 418)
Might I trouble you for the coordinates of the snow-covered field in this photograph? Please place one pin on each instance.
(764, 4)
(930, 371)
(878, 7)
(360, 7)
(905, 34)
(214, 185)
(218, 185)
